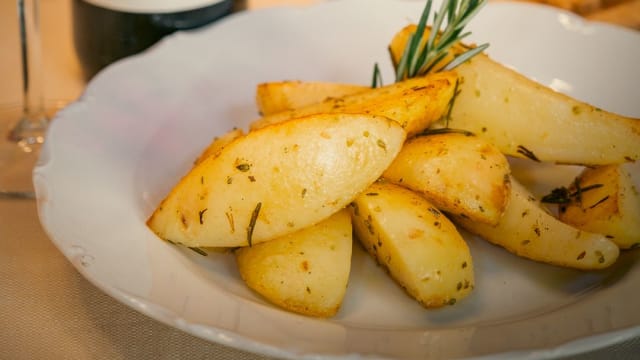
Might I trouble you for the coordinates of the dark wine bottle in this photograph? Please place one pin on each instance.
(107, 30)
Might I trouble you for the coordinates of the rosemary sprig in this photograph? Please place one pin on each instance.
(457, 14)
(562, 195)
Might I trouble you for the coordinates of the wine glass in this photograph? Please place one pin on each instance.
(22, 128)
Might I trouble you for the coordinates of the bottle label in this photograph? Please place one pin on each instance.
(152, 6)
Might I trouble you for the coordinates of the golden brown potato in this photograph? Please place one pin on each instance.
(416, 243)
(218, 143)
(277, 180)
(458, 173)
(414, 104)
(528, 230)
(307, 271)
(527, 119)
(613, 209)
(274, 97)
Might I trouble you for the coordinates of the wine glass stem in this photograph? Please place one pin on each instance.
(32, 125)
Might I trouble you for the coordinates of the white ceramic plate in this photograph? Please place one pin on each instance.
(111, 156)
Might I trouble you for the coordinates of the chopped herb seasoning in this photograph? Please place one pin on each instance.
(232, 226)
(562, 195)
(198, 250)
(559, 195)
(536, 230)
(201, 214)
(368, 222)
(356, 209)
(527, 153)
(243, 167)
(445, 130)
(599, 202)
(252, 223)
(452, 101)
(434, 211)
(581, 255)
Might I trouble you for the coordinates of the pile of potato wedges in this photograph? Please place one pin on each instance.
(400, 169)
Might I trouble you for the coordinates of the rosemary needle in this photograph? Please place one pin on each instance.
(456, 14)
(418, 59)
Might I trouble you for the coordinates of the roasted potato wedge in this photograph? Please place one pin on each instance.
(414, 103)
(421, 249)
(612, 209)
(218, 143)
(527, 119)
(460, 174)
(274, 97)
(529, 230)
(305, 272)
(277, 180)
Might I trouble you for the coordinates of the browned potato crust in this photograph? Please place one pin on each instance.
(460, 174)
(612, 209)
